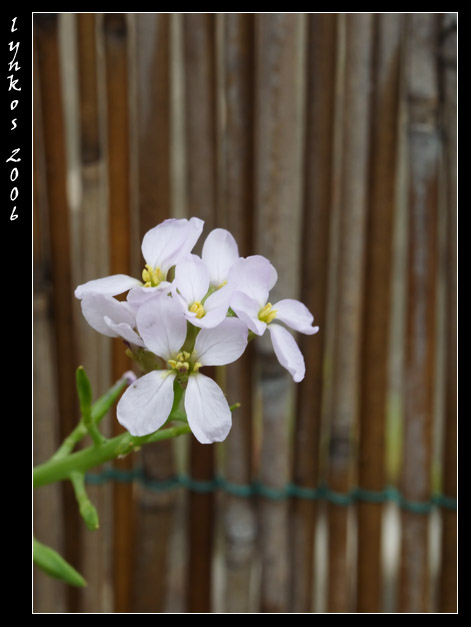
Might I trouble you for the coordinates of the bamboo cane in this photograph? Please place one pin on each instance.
(348, 311)
(155, 512)
(315, 246)
(278, 186)
(91, 261)
(448, 583)
(47, 45)
(423, 160)
(376, 325)
(237, 142)
(115, 38)
(200, 126)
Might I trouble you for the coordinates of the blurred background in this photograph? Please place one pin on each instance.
(327, 143)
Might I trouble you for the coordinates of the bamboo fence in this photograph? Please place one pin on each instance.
(326, 142)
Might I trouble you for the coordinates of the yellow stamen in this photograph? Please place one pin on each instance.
(152, 276)
(196, 366)
(198, 309)
(180, 363)
(267, 313)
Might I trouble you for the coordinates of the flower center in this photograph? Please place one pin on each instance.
(267, 313)
(182, 365)
(198, 309)
(152, 276)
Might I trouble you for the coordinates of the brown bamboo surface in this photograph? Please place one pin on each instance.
(55, 172)
(89, 234)
(349, 302)
(115, 35)
(155, 514)
(448, 591)
(237, 181)
(320, 95)
(424, 152)
(199, 40)
(326, 142)
(278, 146)
(47, 593)
(377, 307)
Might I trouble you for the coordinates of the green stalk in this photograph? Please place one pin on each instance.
(99, 409)
(58, 469)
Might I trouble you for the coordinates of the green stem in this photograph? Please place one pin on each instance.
(58, 469)
(99, 409)
(87, 509)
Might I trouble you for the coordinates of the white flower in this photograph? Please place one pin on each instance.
(251, 280)
(146, 404)
(162, 247)
(220, 252)
(111, 317)
(202, 306)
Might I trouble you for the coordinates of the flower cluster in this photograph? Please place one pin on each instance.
(187, 312)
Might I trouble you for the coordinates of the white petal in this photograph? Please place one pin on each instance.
(210, 320)
(138, 295)
(165, 244)
(255, 276)
(124, 330)
(287, 351)
(247, 310)
(146, 404)
(191, 280)
(223, 344)
(219, 252)
(207, 410)
(162, 325)
(296, 315)
(97, 307)
(219, 299)
(109, 286)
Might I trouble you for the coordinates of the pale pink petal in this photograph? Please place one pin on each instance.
(208, 413)
(124, 330)
(255, 276)
(108, 286)
(97, 307)
(165, 244)
(146, 404)
(287, 351)
(191, 280)
(219, 299)
(247, 309)
(223, 344)
(138, 295)
(295, 315)
(219, 253)
(210, 320)
(162, 325)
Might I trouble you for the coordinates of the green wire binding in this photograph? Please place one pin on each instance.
(254, 489)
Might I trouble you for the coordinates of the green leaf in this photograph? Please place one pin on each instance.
(55, 565)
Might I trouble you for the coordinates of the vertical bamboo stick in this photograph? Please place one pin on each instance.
(316, 227)
(278, 151)
(47, 45)
(92, 262)
(448, 582)
(377, 307)
(346, 350)
(423, 161)
(48, 594)
(200, 119)
(156, 511)
(115, 33)
(239, 516)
